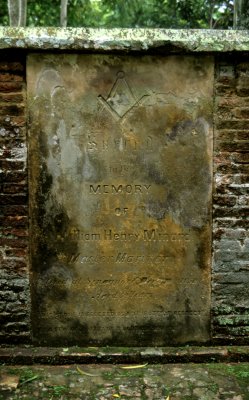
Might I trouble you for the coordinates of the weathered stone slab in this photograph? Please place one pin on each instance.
(120, 190)
(125, 40)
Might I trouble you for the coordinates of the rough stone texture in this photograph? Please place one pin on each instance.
(108, 382)
(231, 201)
(121, 208)
(126, 40)
(14, 280)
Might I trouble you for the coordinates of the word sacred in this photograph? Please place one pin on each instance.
(120, 144)
(118, 189)
(146, 235)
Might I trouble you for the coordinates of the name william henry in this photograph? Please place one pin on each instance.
(147, 235)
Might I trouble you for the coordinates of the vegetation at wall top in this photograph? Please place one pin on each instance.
(221, 14)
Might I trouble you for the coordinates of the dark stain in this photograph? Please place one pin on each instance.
(169, 331)
(180, 129)
(80, 331)
(199, 66)
(187, 315)
(203, 247)
(51, 225)
(150, 171)
(157, 210)
(50, 251)
(66, 337)
(156, 175)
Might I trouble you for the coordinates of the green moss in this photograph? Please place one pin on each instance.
(223, 321)
(223, 309)
(239, 349)
(109, 375)
(214, 387)
(11, 371)
(59, 390)
(70, 372)
(240, 371)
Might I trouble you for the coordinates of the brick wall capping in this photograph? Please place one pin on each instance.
(126, 40)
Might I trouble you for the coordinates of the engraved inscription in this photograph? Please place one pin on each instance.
(120, 198)
(121, 99)
(120, 258)
(118, 189)
(119, 145)
(119, 170)
(146, 235)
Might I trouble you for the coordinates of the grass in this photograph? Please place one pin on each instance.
(59, 390)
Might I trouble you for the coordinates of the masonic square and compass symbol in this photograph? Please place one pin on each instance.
(120, 99)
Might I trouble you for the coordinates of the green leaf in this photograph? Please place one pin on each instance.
(29, 380)
(135, 366)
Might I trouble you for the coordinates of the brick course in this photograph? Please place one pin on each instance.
(14, 278)
(230, 275)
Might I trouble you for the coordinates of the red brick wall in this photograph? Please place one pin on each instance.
(14, 279)
(231, 201)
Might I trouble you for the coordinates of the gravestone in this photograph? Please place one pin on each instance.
(120, 193)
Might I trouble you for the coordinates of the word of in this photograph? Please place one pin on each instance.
(121, 211)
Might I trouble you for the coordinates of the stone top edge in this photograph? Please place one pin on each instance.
(124, 39)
